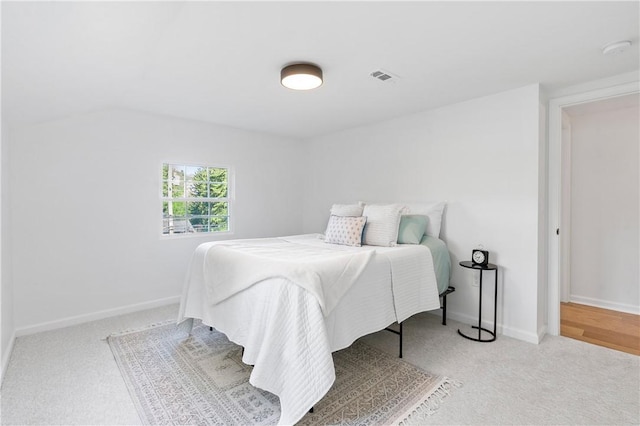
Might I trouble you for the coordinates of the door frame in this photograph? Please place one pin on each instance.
(558, 244)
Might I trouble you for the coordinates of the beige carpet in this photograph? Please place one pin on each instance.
(200, 379)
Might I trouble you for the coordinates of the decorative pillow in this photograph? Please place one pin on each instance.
(382, 224)
(433, 211)
(412, 228)
(347, 209)
(345, 230)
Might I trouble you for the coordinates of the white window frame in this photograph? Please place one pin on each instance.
(228, 199)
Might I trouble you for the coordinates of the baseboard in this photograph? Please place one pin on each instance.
(516, 333)
(542, 331)
(80, 319)
(605, 304)
(6, 356)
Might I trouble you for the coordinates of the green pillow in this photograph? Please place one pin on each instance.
(412, 227)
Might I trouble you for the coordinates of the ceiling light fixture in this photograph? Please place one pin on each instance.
(301, 76)
(616, 47)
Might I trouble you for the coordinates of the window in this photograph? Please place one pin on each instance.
(195, 199)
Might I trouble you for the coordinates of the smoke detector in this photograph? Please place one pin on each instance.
(616, 48)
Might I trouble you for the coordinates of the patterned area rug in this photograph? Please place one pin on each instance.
(176, 379)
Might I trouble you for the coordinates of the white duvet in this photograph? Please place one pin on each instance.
(233, 266)
(295, 300)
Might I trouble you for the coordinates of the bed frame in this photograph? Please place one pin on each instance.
(443, 305)
(449, 290)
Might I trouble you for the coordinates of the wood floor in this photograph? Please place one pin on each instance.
(612, 329)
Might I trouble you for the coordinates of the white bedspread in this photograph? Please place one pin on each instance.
(287, 335)
(231, 267)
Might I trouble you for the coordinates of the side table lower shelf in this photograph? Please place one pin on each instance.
(481, 268)
(479, 339)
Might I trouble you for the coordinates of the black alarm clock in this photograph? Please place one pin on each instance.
(480, 257)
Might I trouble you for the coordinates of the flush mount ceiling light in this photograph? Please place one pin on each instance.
(616, 47)
(301, 76)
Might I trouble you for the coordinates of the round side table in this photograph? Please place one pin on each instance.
(481, 268)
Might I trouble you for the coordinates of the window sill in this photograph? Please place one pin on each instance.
(188, 235)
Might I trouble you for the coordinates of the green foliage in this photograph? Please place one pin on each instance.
(180, 182)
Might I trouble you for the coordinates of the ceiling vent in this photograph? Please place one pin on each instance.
(384, 76)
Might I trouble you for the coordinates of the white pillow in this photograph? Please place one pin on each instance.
(345, 230)
(433, 211)
(347, 209)
(382, 225)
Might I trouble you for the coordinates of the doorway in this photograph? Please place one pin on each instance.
(600, 294)
(559, 220)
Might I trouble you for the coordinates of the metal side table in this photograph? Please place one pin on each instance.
(488, 267)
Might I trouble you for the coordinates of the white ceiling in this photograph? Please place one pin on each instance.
(220, 61)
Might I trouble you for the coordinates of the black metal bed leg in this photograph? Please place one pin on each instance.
(444, 310)
(400, 340)
(311, 410)
(210, 328)
(444, 294)
(399, 333)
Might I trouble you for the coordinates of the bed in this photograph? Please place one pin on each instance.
(271, 297)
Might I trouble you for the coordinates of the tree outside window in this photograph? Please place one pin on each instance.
(195, 199)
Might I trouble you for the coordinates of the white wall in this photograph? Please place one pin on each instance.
(565, 243)
(86, 206)
(7, 330)
(604, 209)
(482, 156)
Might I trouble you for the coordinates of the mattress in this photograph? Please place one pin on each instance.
(441, 260)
